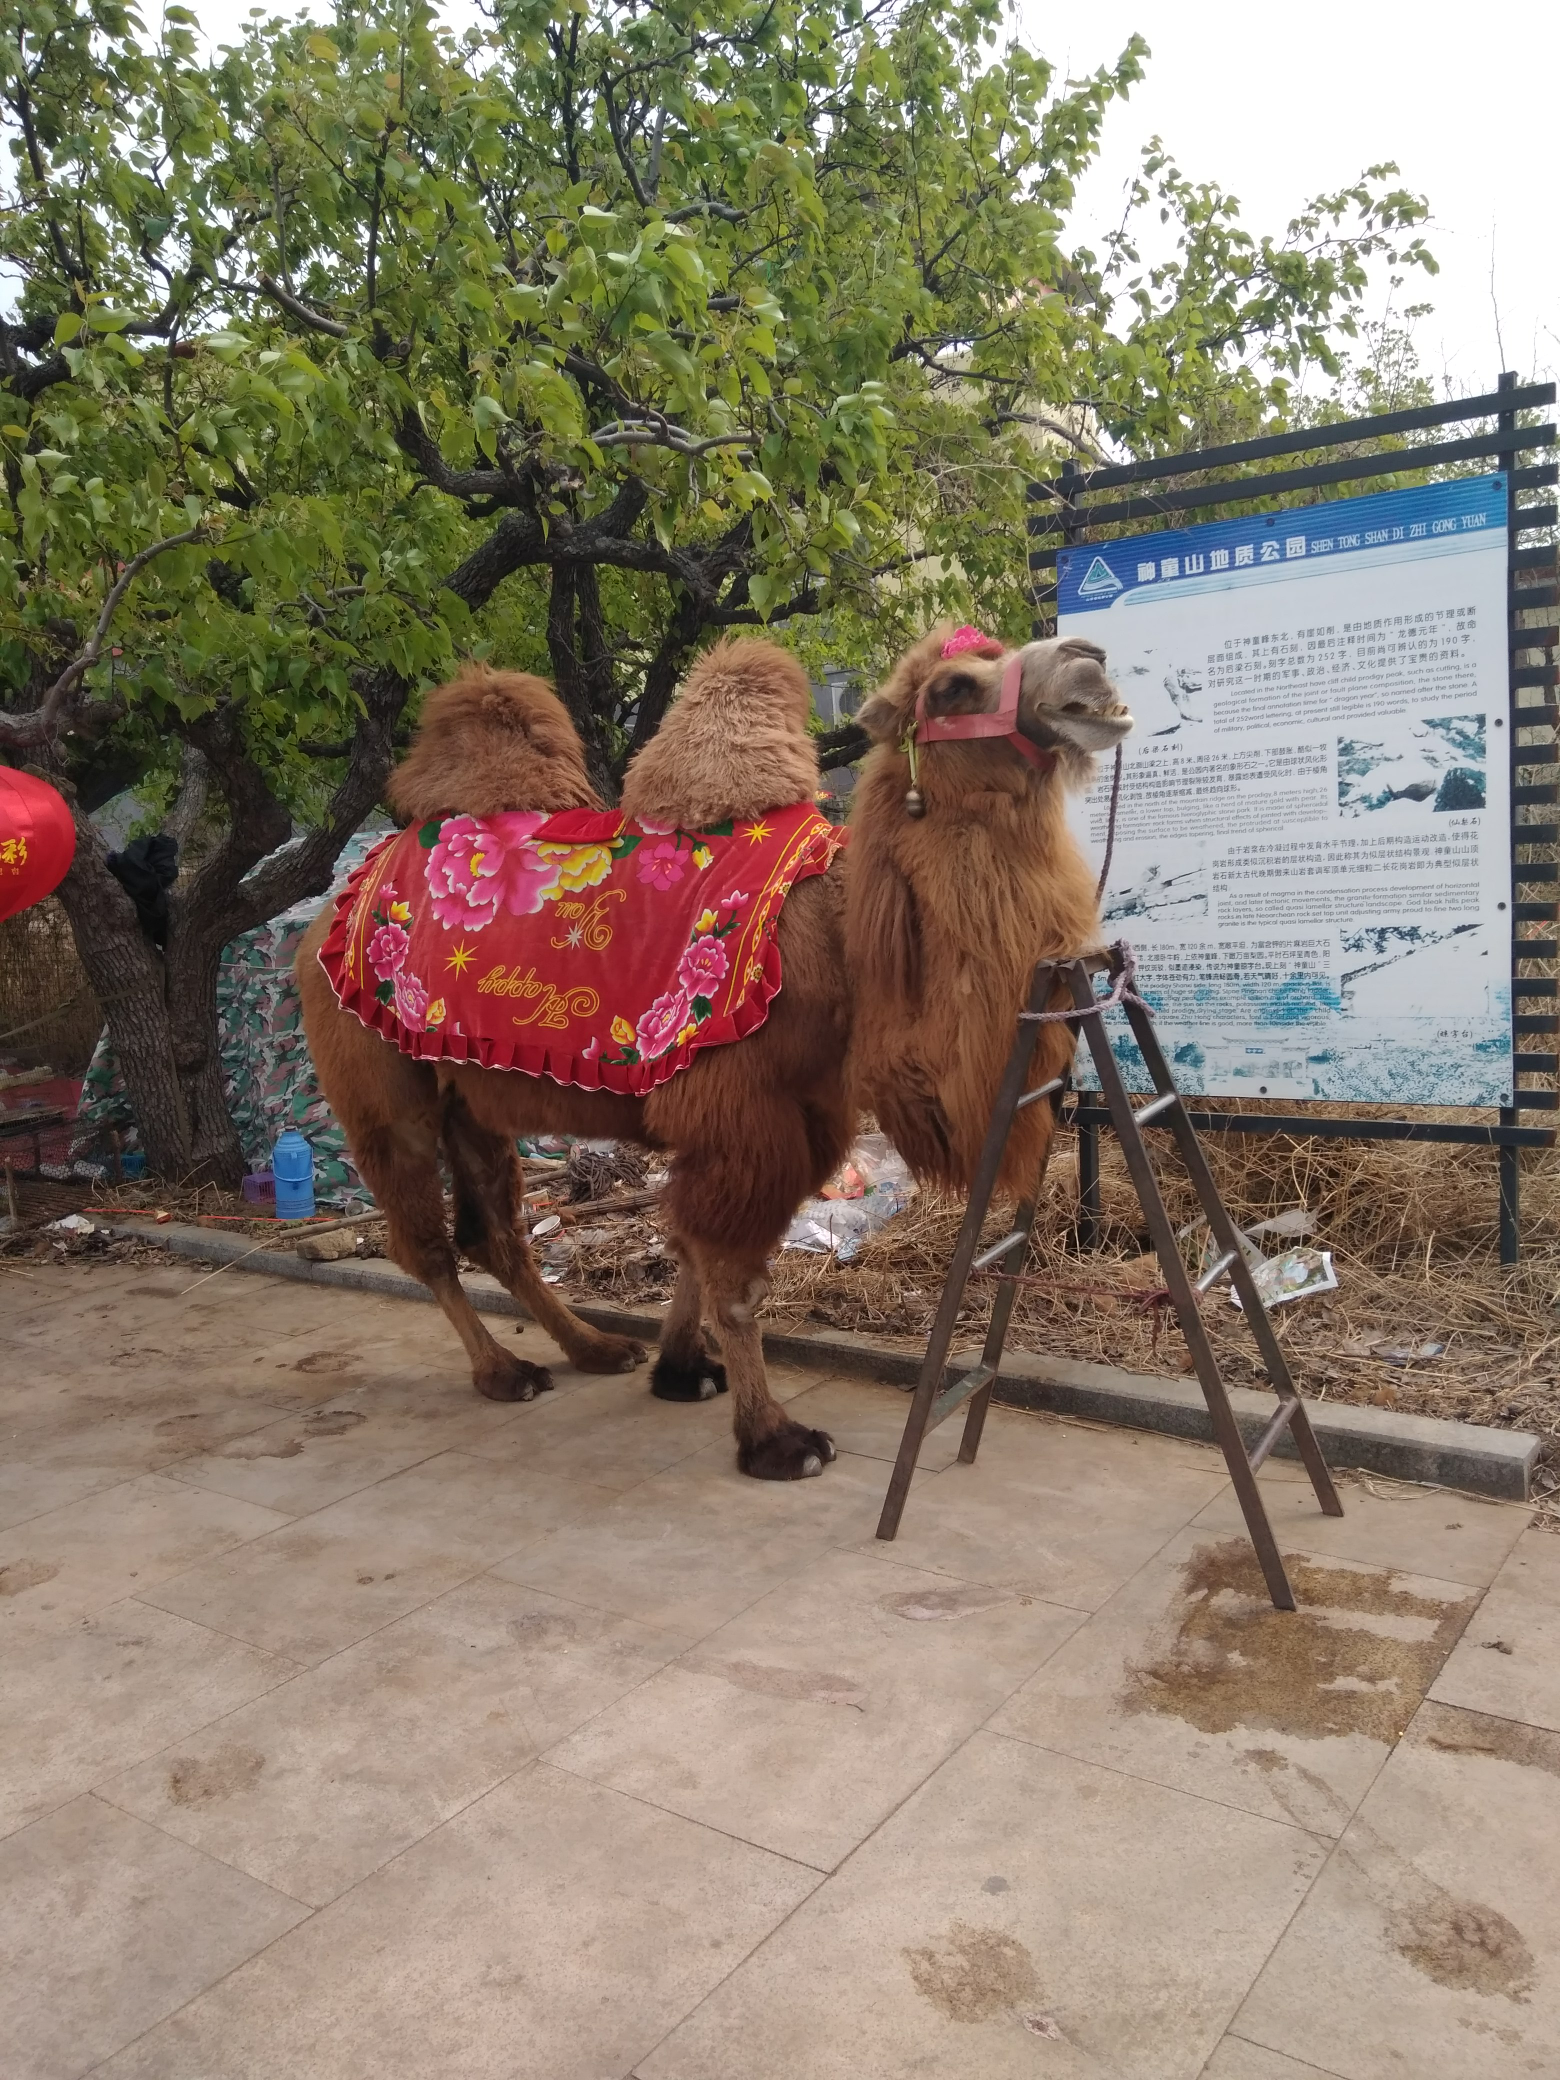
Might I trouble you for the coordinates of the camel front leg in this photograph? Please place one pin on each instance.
(684, 1369)
(770, 1446)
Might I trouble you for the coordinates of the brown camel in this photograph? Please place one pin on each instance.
(923, 934)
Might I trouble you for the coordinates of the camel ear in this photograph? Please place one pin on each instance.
(879, 717)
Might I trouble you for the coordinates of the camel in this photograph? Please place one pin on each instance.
(903, 965)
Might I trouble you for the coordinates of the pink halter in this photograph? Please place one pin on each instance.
(944, 729)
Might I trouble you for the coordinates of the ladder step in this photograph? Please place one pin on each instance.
(1274, 1431)
(1160, 1104)
(955, 1396)
(1216, 1271)
(998, 1249)
(1045, 1090)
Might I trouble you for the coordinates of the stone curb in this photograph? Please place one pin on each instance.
(1468, 1456)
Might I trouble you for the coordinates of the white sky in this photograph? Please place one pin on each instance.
(1279, 99)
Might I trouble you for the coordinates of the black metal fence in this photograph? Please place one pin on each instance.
(1077, 505)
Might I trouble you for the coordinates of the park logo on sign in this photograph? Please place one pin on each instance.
(1098, 580)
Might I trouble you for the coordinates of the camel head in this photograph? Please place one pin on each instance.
(1049, 706)
(489, 741)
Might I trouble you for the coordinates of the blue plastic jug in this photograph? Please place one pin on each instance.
(292, 1165)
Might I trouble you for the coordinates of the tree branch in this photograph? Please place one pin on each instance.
(315, 321)
(656, 431)
(39, 724)
(842, 746)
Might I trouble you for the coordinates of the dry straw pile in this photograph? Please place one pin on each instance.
(1413, 1232)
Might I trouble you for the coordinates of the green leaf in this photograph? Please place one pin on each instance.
(701, 1007)
(629, 842)
(66, 327)
(428, 834)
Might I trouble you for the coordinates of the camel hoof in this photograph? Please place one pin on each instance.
(611, 1354)
(673, 1380)
(791, 1453)
(511, 1379)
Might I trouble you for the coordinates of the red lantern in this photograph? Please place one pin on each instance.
(37, 840)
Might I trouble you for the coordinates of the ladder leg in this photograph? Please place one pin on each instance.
(1007, 1294)
(1008, 1095)
(1226, 1429)
(1090, 1204)
(996, 1335)
(1221, 1225)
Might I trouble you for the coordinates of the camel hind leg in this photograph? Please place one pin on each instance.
(388, 1108)
(490, 1229)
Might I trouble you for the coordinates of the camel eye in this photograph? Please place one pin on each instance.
(961, 687)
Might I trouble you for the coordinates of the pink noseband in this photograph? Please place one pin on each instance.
(946, 729)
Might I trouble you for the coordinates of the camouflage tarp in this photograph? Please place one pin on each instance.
(266, 1072)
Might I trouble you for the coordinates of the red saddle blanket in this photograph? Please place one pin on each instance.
(584, 947)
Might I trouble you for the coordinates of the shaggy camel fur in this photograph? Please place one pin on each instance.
(753, 1128)
(947, 914)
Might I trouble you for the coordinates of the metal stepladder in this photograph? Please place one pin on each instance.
(933, 1402)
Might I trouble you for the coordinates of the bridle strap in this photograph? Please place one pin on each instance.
(1002, 722)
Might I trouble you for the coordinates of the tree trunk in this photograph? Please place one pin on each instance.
(582, 669)
(216, 1156)
(128, 977)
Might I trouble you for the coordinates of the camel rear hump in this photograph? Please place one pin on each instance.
(734, 744)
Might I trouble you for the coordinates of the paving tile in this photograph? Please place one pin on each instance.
(36, 1294)
(28, 1490)
(324, 1780)
(1062, 1512)
(1431, 1942)
(315, 1456)
(869, 1419)
(613, 1431)
(1508, 1660)
(1428, 1531)
(77, 1705)
(380, 1339)
(332, 1578)
(71, 1430)
(1022, 1913)
(801, 1724)
(60, 1568)
(1236, 2060)
(551, 1929)
(107, 1926)
(1189, 1676)
(695, 1545)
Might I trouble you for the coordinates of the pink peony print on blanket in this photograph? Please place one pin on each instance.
(479, 867)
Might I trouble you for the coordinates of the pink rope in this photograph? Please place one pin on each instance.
(1121, 992)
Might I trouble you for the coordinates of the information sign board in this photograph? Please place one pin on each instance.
(1313, 844)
